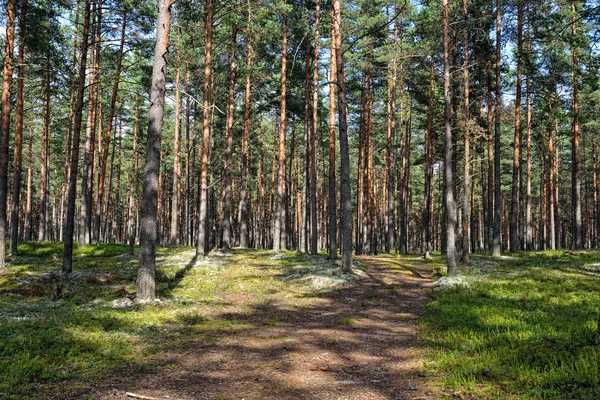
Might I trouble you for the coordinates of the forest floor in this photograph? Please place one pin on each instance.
(253, 325)
(264, 325)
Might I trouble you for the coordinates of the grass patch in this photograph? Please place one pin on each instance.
(525, 329)
(53, 341)
(348, 321)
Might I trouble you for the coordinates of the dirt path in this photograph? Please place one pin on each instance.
(359, 343)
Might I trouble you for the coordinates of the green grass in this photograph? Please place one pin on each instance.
(525, 329)
(49, 347)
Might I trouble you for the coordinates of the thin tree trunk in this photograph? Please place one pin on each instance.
(67, 266)
(145, 285)
(133, 181)
(111, 117)
(313, 137)
(243, 212)
(176, 189)
(528, 217)
(279, 235)
(390, 152)
(497, 241)
(466, 234)
(448, 153)
(514, 212)
(226, 216)
(45, 161)
(203, 210)
(576, 177)
(18, 151)
(332, 179)
(429, 178)
(346, 200)
(28, 216)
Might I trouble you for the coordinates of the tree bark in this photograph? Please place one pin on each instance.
(18, 151)
(176, 189)
(145, 285)
(133, 181)
(575, 170)
(346, 200)
(67, 266)
(514, 212)
(201, 249)
(497, 239)
(332, 173)
(226, 216)
(448, 152)
(466, 234)
(429, 178)
(279, 235)
(390, 152)
(313, 137)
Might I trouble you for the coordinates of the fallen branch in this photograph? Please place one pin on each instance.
(140, 396)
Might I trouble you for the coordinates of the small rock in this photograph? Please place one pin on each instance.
(121, 303)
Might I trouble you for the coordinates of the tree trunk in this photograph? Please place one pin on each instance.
(279, 234)
(466, 234)
(67, 266)
(313, 137)
(448, 153)
(133, 181)
(576, 177)
(203, 207)
(346, 200)
(514, 212)
(28, 216)
(497, 240)
(429, 178)
(145, 285)
(176, 189)
(226, 216)
(390, 151)
(332, 179)
(87, 178)
(18, 151)
(111, 117)
(528, 217)
(243, 212)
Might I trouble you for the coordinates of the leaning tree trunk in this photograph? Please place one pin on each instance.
(67, 266)
(145, 285)
(346, 200)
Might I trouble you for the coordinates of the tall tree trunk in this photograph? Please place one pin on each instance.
(429, 178)
(576, 177)
(346, 200)
(203, 210)
(497, 241)
(45, 161)
(133, 181)
(466, 234)
(528, 217)
(67, 266)
(243, 212)
(514, 212)
(87, 178)
(28, 216)
(176, 189)
(390, 151)
(333, 246)
(313, 137)
(109, 127)
(279, 234)
(551, 227)
(226, 216)
(145, 285)
(18, 151)
(448, 152)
